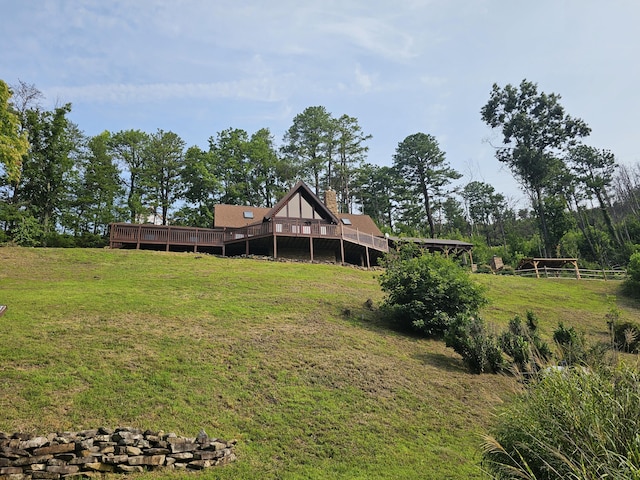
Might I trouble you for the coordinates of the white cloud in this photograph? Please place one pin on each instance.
(365, 81)
(122, 93)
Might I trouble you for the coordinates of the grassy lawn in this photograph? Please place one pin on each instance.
(285, 357)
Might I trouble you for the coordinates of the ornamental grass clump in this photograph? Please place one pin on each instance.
(571, 423)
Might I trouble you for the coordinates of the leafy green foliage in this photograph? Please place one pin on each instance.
(424, 172)
(570, 424)
(478, 346)
(632, 284)
(13, 143)
(571, 343)
(28, 232)
(522, 342)
(535, 131)
(625, 335)
(426, 292)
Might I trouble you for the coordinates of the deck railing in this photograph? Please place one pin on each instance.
(164, 235)
(365, 239)
(289, 228)
(124, 233)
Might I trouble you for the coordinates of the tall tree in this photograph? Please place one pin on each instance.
(47, 168)
(595, 169)
(536, 133)
(485, 208)
(374, 189)
(351, 153)
(14, 143)
(233, 166)
(99, 187)
(163, 167)
(424, 172)
(453, 212)
(309, 144)
(271, 175)
(202, 189)
(128, 146)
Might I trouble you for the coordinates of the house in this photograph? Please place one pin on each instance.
(299, 226)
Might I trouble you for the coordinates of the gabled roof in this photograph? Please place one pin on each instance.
(308, 195)
(363, 223)
(233, 215)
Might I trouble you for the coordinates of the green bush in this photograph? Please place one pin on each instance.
(28, 232)
(90, 240)
(478, 347)
(626, 336)
(523, 344)
(571, 344)
(632, 283)
(59, 240)
(572, 424)
(425, 292)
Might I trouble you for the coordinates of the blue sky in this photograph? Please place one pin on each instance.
(197, 67)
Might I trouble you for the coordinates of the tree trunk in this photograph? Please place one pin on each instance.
(539, 207)
(607, 219)
(427, 204)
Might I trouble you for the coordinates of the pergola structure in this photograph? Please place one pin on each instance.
(446, 247)
(536, 264)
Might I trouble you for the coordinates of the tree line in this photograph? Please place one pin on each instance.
(58, 185)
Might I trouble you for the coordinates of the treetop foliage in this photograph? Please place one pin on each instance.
(582, 202)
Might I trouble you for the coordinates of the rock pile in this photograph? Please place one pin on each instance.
(122, 450)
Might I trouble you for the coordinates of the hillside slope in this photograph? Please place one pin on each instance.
(285, 357)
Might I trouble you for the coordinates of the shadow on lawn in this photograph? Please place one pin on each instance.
(441, 361)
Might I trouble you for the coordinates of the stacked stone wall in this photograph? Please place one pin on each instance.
(88, 453)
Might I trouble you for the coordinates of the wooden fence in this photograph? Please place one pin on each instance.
(581, 274)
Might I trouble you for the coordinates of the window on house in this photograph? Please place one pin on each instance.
(247, 214)
(346, 221)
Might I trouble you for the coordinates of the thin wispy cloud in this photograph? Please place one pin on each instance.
(197, 67)
(258, 90)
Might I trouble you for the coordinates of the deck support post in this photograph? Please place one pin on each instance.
(139, 235)
(311, 248)
(275, 246)
(168, 238)
(368, 259)
(341, 245)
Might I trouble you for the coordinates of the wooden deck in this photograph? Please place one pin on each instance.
(122, 234)
(203, 239)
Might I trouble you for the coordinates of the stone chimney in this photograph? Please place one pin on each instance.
(331, 201)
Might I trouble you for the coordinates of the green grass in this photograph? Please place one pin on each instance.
(285, 357)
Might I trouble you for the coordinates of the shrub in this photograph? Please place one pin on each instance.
(632, 283)
(90, 240)
(523, 344)
(570, 424)
(625, 335)
(28, 232)
(59, 240)
(571, 344)
(478, 347)
(424, 293)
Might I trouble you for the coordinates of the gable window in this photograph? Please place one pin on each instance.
(346, 221)
(247, 214)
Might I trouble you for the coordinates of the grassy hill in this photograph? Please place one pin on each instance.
(285, 357)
